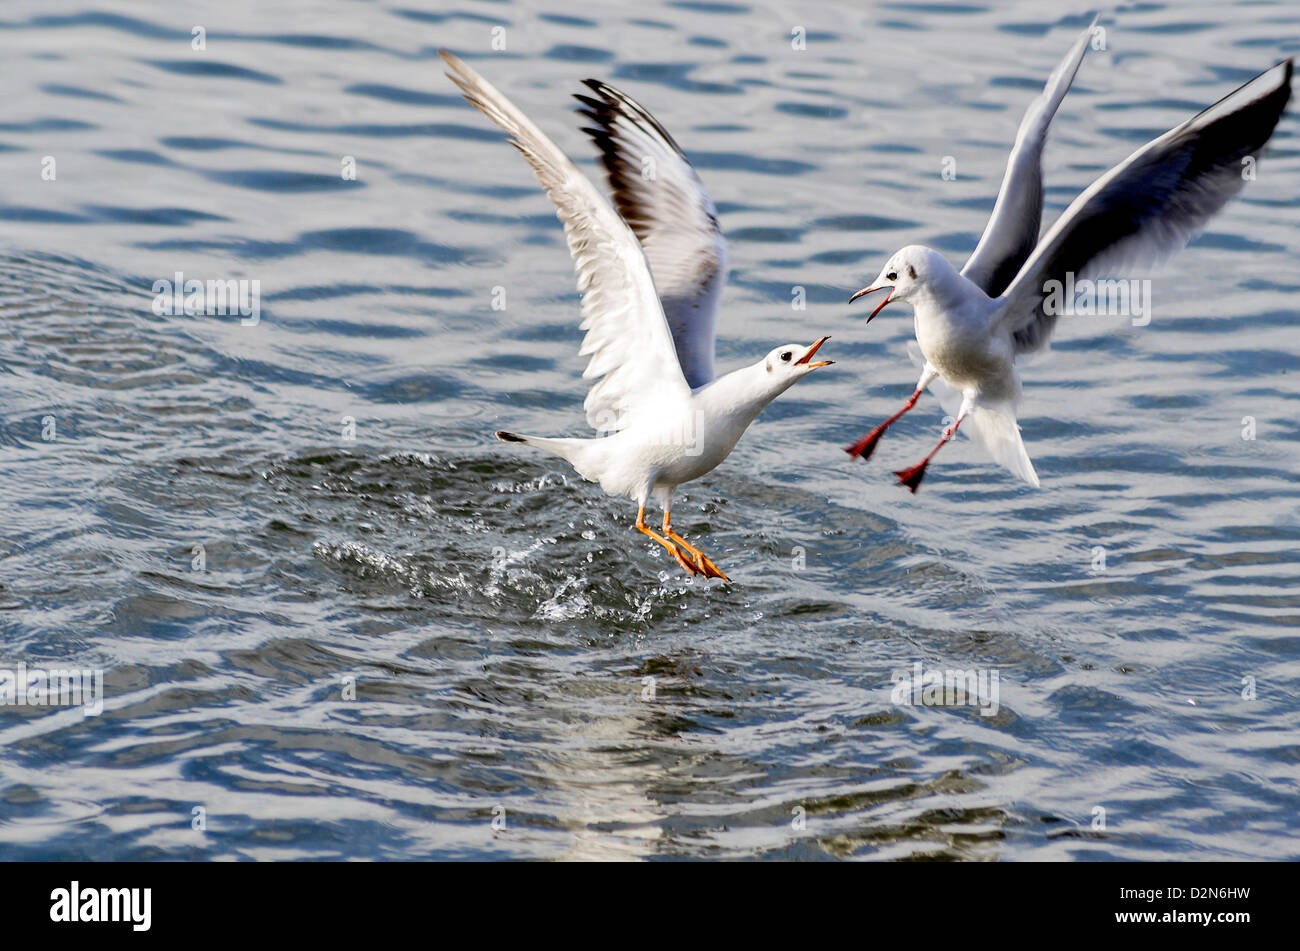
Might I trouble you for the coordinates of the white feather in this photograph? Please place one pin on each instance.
(998, 432)
(659, 195)
(627, 339)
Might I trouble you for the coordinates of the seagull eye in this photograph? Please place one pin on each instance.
(891, 276)
(785, 357)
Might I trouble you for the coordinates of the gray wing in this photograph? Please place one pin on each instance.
(1012, 231)
(1150, 205)
(662, 199)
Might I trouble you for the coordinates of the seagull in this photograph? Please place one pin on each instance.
(650, 280)
(972, 327)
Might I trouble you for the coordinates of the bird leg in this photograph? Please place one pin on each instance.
(672, 548)
(911, 477)
(702, 562)
(865, 446)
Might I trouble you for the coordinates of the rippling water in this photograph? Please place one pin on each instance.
(517, 652)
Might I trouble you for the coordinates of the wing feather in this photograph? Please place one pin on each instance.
(627, 337)
(1012, 231)
(662, 199)
(1148, 206)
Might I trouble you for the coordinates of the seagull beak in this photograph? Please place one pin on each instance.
(808, 356)
(871, 290)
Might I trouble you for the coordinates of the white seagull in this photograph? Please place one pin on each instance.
(974, 325)
(669, 419)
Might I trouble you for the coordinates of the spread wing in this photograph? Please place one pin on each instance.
(627, 338)
(1150, 205)
(661, 197)
(1012, 231)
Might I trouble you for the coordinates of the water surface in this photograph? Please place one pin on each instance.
(518, 653)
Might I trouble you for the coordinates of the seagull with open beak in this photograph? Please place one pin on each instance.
(974, 325)
(650, 339)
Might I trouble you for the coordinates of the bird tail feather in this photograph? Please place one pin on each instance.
(564, 448)
(997, 431)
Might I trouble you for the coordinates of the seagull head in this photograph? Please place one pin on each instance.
(792, 362)
(908, 273)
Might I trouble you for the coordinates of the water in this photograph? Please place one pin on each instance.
(498, 617)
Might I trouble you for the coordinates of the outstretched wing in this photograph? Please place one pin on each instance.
(1150, 205)
(627, 339)
(661, 197)
(1012, 231)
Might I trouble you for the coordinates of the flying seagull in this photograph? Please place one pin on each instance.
(667, 419)
(974, 325)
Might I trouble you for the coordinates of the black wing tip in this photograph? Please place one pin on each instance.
(602, 112)
(1287, 66)
(614, 103)
(1284, 82)
(509, 437)
(1279, 97)
(1265, 106)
